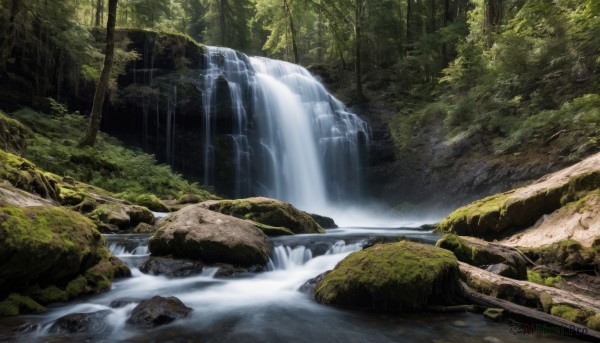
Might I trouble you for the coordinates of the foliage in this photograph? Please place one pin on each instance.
(109, 165)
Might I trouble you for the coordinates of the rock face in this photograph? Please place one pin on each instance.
(200, 234)
(395, 277)
(269, 212)
(492, 217)
(45, 247)
(495, 258)
(158, 311)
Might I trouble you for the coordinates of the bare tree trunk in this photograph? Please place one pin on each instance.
(357, 36)
(293, 31)
(99, 12)
(10, 34)
(222, 20)
(408, 30)
(445, 23)
(493, 13)
(101, 89)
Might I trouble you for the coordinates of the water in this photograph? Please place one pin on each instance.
(262, 307)
(289, 138)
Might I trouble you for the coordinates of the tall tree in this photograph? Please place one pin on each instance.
(9, 39)
(292, 31)
(99, 12)
(102, 88)
(359, 7)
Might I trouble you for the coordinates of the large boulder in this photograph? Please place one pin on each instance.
(80, 322)
(158, 265)
(158, 311)
(270, 212)
(53, 254)
(395, 277)
(122, 216)
(498, 215)
(498, 259)
(200, 234)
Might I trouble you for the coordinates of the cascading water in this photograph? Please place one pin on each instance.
(290, 139)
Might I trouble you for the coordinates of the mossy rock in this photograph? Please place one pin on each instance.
(16, 304)
(269, 212)
(395, 277)
(272, 231)
(151, 202)
(495, 258)
(13, 134)
(500, 214)
(568, 255)
(113, 213)
(44, 248)
(493, 313)
(24, 175)
(579, 316)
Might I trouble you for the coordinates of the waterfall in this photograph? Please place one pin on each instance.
(284, 135)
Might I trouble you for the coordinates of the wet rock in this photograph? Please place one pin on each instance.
(325, 222)
(496, 258)
(28, 327)
(158, 311)
(229, 271)
(157, 265)
(121, 215)
(118, 303)
(309, 286)
(394, 277)
(200, 234)
(81, 322)
(144, 228)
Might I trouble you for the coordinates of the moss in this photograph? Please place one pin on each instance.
(76, 287)
(493, 313)
(111, 213)
(16, 304)
(593, 322)
(566, 255)
(151, 202)
(13, 134)
(398, 277)
(272, 230)
(269, 212)
(467, 253)
(47, 295)
(547, 302)
(575, 315)
(24, 175)
(491, 216)
(70, 197)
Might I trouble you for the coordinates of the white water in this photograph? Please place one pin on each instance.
(291, 139)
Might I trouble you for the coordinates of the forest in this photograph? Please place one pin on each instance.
(299, 170)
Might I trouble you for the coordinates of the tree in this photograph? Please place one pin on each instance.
(101, 89)
(9, 38)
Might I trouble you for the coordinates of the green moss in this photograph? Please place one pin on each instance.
(400, 277)
(269, 212)
(272, 230)
(16, 304)
(76, 287)
(541, 280)
(493, 313)
(48, 295)
(593, 322)
(13, 134)
(151, 202)
(111, 213)
(568, 255)
(24, 175)
(547, 302)
(567, 312)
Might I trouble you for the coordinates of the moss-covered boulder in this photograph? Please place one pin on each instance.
(121, 215)
(496, 258)
(496, 216)
(270, 212)
(152, 202)
(26, 176)
(52, 254)
(395, 277)
(200, 234)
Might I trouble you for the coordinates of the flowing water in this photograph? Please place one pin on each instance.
(261, 307)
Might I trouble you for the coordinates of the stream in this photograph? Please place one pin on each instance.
(261, 307)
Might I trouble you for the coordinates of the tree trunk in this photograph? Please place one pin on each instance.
(293, 31)
(408, 30)
(101, 89)
(99, 14)
(222, 20)
(445, 23)
(10, 34)
(492, 13)
(357, 36)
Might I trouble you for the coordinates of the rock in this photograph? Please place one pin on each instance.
(200, 234)
(309, 286)
(25, 175)
(144, 228)
(121, 215)
(395, 277)
(151, 202)
(28, 327)
(272, 231)
(44, 246)
(270, 212)
(229, 271)
(189, 199)
(118, 303)
(69, 180)
(569, 256)
(16, 304)
(80, 322)
(496, 215)
(323, 221)
(499, 259)
(158, 311)
(156, 265)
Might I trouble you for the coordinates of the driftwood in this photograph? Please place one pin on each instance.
(558, 296)
(525, 315)
(554, 137)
